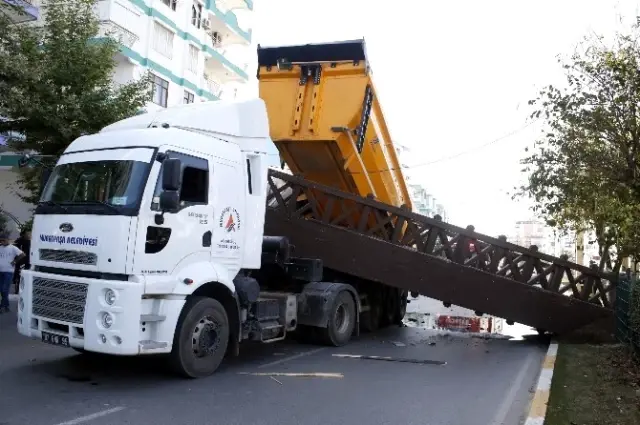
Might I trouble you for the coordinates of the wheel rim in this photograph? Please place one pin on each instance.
(341, 318)
(205, 339)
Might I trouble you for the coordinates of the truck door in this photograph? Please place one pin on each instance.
(229, 210)
(162, 243)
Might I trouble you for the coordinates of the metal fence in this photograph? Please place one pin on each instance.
(627, 307)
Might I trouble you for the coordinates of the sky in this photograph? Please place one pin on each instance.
(452, 77)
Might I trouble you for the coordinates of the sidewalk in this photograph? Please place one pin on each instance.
(594, 385)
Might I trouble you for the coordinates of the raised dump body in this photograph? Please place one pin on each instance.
(326, 120)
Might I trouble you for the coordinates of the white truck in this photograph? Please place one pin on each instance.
(146, 237)
(149, 237)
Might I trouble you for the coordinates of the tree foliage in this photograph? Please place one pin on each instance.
(56, 82)
(3, 223)
(584, 172)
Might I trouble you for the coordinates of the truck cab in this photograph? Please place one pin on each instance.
(153, 226)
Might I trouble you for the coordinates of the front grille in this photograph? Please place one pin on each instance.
(67, 256)
(59, 300)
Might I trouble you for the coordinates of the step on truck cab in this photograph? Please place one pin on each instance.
(148, 239)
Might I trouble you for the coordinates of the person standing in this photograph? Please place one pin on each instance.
(9, 256)
(24, 244)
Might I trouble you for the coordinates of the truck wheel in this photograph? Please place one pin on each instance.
(342, 320)
(370, 319)
(391, 308)
(201, 338)
(402, 308)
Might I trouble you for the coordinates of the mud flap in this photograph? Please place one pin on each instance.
(317, 298)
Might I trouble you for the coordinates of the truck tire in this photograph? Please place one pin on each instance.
(370, 319)
(402, 307)
(391, 307)
(342, 320)
(201, 338)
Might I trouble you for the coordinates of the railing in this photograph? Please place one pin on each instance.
(301, 199)
(213, 86)
(627, 308)
(119, 33)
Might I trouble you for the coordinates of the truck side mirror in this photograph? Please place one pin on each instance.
(169, 200)
(171, 175)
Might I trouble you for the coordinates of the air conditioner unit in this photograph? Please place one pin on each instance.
(216, 38)
(206, 24)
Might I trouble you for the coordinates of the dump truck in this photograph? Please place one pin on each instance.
(149, 235)
(167, 233)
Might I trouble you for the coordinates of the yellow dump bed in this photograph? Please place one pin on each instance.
(326, 120)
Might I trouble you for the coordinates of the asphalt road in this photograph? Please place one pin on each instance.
(484, 382)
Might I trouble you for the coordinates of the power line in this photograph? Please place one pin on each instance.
(499, 139)
(447, 158)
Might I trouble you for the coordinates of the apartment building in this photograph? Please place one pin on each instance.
(20, 11)
(196, 50)
(425, 203)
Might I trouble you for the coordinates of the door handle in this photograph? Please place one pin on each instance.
(206, 239)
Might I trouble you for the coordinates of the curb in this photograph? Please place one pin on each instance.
(538, 409)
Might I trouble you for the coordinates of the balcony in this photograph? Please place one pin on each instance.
(212, 86)
(229, 21)
(217, 89)
(235, 4)
(19, 11)
(119, 19)
(222, 35)
(220, 64)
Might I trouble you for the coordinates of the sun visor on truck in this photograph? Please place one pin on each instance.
(339, 51)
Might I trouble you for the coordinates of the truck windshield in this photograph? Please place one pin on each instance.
(113, 184)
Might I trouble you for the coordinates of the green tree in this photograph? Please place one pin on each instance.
(55, 82)
(3, 223)
(584, 172)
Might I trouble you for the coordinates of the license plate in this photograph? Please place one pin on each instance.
(55, 339)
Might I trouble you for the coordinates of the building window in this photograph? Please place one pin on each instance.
(192, 60)
(162, 40)
(196, 14)
(170, 4)
(188, 97)
(160, 91)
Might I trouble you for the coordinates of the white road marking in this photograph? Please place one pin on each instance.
(544, 382)
(93, 416)
(295, 375)
(507, 402)
(296, 356)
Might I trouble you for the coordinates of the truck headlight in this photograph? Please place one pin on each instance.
(107, 320)
(109, 296)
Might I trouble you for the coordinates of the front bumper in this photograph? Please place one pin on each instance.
(75, 307)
